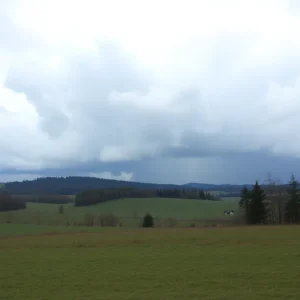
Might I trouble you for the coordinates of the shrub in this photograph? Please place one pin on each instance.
(148, 221)
(108, 220)
(9, 218)
(61, 210)
(89, 219)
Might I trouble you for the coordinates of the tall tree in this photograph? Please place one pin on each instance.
(244, 204)
(258, 211)
(292, 214)
(276, 198)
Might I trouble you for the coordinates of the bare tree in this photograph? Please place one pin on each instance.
(276, 197)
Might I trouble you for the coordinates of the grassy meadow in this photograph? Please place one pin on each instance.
(129, 211)
(246, 263)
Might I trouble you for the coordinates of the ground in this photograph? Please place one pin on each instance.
(246, 263)
(128, 210)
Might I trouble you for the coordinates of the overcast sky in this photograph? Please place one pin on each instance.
(157, 91)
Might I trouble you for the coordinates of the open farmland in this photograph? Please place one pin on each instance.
(128, 210)
(209, 264)
(164, 207)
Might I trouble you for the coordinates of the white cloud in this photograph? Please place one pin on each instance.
(108, 175)
(150, 78)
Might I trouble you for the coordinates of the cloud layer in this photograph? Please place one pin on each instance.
(187, 95)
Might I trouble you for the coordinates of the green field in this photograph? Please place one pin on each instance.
(10, 230)
(130, 211)
(249, 263)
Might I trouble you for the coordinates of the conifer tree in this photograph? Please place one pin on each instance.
(292, 214)
(148, 221)
(258, 211)
(244, 203)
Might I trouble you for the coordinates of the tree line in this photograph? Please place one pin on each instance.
(186, 194)
(92, 197)
(8, 202)
(72, 185)
(275, 204)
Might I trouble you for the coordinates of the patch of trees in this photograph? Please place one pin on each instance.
(8, 202)
(186, 194)
(236, 188)
(275, 204)
(103, 220)
(229, 194)
(49, 199)
(292, 206)
(208, 196)
(92, 197)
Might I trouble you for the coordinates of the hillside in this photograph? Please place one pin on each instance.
(163, 208)
(129, 211)
(217, 187)
(75, 184)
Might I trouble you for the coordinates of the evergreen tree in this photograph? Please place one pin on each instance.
(201, 195)
(258, 209)
(244, 204)
(148, 221)
(292, 214)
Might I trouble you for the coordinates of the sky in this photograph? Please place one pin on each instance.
(153, 91)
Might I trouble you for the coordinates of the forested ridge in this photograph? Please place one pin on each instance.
(89, 191)
(73, 185)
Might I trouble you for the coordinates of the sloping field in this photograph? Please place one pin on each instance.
(182, 209)
(163, 207)
(260, 263)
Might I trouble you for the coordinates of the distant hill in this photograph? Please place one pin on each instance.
(75, 184)
(217, 187)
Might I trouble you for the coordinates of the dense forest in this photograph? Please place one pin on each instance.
(89, 191)
(8, 202)
(75, 184)
(92, 197)
(272, 204)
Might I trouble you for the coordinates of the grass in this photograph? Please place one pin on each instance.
(32, 229)
(163, 207)
(126, 209)
(246, 263)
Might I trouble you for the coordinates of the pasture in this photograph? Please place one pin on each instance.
(130, 211)
(246, 263)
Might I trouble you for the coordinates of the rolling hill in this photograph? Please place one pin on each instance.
(75, 184)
